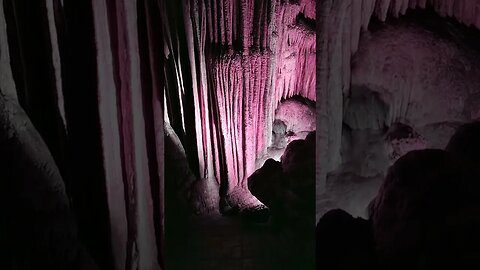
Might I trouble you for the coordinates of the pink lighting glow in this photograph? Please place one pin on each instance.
(264, 57)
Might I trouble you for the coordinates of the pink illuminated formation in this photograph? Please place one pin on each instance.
(249, 55)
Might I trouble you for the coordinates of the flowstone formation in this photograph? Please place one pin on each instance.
(236, 62)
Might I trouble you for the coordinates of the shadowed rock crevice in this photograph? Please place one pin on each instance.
(424, 216)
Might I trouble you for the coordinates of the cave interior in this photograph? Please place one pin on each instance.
(240, 121)
(397, 161)
(157, 134)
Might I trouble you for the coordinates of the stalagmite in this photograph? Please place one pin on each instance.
(245, 57)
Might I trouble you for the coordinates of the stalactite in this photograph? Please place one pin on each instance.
(255, 53)
(155, 136)
(111, 137)
(294, 54)
(332, 71)
(57, 66)
(126, 133)
(349, 18)
(95, 79)
(464, 10)
(322, 120)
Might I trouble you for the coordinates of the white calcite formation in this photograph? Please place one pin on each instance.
(424, 79)
(417, 77)
(339, 27)
(294, 119)
(298, 116)
(399, 72)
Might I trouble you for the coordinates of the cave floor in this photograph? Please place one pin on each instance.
(349, 192)
(218, 242)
